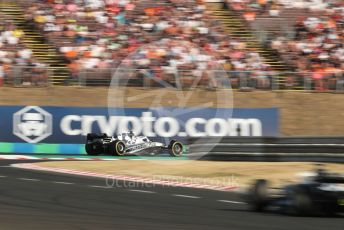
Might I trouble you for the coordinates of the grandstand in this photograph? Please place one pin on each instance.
(309, 44)
(42, 52)
(260, 44)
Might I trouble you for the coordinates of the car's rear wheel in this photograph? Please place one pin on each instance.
(175, 148)
(117, 148)
(92, 149)
(259, 195)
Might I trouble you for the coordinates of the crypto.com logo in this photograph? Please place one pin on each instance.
(32, 124)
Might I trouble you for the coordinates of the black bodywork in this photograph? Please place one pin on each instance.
(323, 194)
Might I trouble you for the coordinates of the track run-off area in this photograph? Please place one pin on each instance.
(32, 199)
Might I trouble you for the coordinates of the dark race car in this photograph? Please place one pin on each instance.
(320, 194)
(128, 144)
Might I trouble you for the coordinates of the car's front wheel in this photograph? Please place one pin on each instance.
(175, 148)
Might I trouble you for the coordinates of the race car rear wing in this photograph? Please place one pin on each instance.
(92, 136)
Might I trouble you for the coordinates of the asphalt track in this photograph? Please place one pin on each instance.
(37, 200)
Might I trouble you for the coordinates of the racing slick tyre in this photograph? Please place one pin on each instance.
(301, 202)
(117, 148)
(259, 197)
(175, 148)
(93, 149)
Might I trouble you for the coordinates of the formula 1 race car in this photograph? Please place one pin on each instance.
(128, 143)
(322, 193)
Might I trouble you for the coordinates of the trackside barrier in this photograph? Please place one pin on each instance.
(42, 148)
(322, 149)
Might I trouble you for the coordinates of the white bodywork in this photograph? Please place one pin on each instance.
(137, 143)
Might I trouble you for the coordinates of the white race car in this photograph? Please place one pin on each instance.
(128, 143)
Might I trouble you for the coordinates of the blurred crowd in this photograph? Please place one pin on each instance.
(251, 9)
(316, 52)
(317, 49)
(99, 34)
(13, 52)
(172, 39)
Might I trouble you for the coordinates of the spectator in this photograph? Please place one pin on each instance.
(2, 74)
(99, 34)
